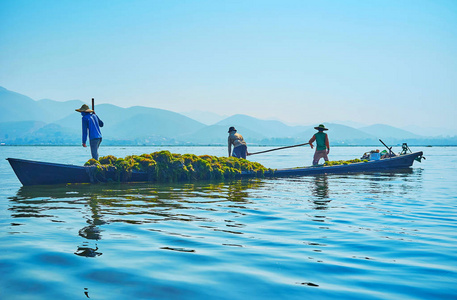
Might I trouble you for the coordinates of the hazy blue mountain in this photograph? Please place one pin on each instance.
(341, 134)
(218, 134)
(15, 107)
(382, 131)
(54, 134)
(268, 128)
(55, 110)
(13, 130)
(430, 131)
(137, 122)
(133, 123)
(107, 112)
(205, 117)
(145, 122)
(36, 132)
(26, 121)
(356, 125)
(153, 124)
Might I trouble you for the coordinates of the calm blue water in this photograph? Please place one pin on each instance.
(376, 236)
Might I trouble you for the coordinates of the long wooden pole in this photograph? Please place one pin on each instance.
(390, 149)
(93, 104)
(278, 149)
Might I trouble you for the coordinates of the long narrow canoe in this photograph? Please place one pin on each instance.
(31, 172)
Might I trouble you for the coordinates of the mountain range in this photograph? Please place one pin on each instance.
(26, 121)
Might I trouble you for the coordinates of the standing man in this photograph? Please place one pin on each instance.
(322, 144)
(240, 150)
(91, 123)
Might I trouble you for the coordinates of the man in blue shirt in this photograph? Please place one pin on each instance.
(91, 124)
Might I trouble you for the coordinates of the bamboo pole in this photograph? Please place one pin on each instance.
(278, 149)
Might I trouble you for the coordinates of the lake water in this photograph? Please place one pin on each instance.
(363, 236)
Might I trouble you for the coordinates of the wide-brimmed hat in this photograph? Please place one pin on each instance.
(321, 127)
(231, 129)
(84, 108)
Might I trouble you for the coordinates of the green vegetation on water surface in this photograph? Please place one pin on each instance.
(164, 166)
(343, 162)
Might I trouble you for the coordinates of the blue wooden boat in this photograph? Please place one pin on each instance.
(31, 172)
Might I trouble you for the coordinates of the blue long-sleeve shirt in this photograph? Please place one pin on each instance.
(91, 124)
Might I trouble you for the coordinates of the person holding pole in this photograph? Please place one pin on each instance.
(91, 124)
(240, 149)
(322, 144)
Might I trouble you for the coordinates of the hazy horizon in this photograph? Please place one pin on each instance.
(209, 118)
(299, 62)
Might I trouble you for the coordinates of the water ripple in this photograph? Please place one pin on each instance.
(362, 236)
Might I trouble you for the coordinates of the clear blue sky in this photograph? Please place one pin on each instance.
(303, 62)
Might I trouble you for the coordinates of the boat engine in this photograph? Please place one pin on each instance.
(405, 149)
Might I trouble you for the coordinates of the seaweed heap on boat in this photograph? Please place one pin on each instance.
(164, 166)
(344, 162)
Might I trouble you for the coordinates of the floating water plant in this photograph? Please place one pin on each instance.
(343, 162)
(164, 166)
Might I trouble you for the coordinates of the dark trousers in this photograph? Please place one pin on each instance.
(94, 144)
(240, 151)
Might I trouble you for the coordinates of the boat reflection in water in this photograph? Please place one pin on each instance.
(221, 206)
(92, 231)
(125, 203)
(320, 189)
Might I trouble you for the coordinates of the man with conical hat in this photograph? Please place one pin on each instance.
(240, 149)
(91, 125)
(322, 144)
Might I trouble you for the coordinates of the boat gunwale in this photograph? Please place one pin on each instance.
(46, 163)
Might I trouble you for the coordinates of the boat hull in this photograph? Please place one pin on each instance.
(31, 172)
(43, 173)
(396, 162)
